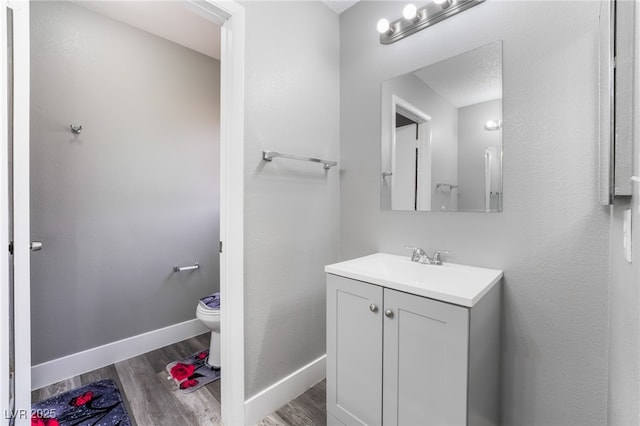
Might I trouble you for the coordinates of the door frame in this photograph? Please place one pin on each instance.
(4, 216)
(231, 203)
(231, 16)
(21, 219)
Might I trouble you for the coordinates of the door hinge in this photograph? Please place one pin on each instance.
(220, 246)
(11, 247)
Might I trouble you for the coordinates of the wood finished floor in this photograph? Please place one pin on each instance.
(152, 400)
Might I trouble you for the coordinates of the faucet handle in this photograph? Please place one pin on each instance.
(417, 253)
(437, 256)
(415, 249)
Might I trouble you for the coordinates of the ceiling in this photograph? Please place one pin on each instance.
(469, 78)
(339, 6)
(166, 19)
(172, 21)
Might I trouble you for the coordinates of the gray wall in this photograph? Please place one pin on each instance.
(134, 194)
(291, 207)
(552, 240)
(624, 333)
(624, 338)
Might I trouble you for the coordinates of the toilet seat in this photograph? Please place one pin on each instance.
(205, 310)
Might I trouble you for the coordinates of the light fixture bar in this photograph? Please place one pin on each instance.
(430, 14)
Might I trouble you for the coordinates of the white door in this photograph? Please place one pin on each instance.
(404, 171)
(354, 351)
(425, 361)
(15, 354)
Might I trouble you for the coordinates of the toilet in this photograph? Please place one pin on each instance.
(208, 311)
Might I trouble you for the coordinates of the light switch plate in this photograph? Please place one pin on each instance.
(626, 235)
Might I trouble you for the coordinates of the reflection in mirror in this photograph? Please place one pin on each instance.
(442, 135)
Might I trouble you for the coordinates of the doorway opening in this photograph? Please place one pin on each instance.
(231, 17)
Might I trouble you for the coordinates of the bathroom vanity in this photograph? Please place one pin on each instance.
(412, 344)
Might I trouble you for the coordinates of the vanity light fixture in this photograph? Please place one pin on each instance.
(443, 3)
(415, 19)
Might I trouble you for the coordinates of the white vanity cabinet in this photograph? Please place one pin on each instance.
(354, 351)
(424, 364)
(396, 358)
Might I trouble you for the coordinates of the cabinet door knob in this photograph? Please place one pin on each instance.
(373, 308)
(388, 313)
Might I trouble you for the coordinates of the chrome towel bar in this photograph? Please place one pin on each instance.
(270, 155)
(446, 186)
(186, 268)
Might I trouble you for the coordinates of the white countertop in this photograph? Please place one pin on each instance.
(452, 283)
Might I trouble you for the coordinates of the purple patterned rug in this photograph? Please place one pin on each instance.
(192, 372)
(96, 404)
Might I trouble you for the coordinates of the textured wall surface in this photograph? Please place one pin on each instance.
(134, 194)
(552, 240)
(291, 207)
(624, 353)
(624, 335)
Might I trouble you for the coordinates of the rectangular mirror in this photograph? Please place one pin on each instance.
(442, 135)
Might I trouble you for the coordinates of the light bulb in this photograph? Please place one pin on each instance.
(493, 125)
(383, 26)
(410, 11)
(443, 3)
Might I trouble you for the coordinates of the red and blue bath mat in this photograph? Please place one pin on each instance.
(193, 372)
(96, 404)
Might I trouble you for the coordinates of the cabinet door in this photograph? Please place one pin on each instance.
(425, 361)
(354, 351)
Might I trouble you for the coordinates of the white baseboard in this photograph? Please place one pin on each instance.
(72, 365)
(275, 396)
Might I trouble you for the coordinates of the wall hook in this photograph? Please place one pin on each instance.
(76, 129)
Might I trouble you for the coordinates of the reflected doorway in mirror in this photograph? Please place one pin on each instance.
(410, 157)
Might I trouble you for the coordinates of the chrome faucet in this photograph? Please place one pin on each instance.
(436, 259)
(419, 256)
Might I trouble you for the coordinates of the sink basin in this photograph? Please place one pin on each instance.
(452, 283)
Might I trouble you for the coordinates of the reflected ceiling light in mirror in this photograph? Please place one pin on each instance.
(493, 125)
(415, 19)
